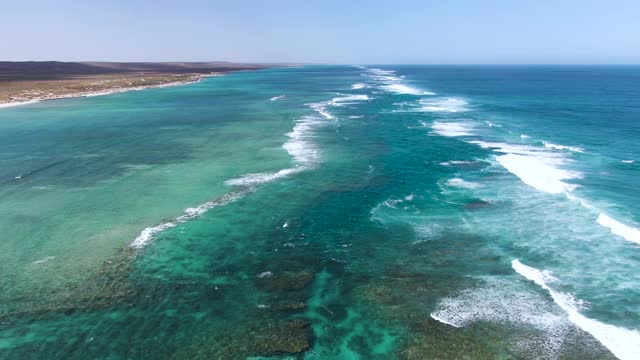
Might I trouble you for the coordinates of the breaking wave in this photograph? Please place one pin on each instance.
(618, 228)
(147, 235)
(452, 105)
(460, 183)
(452, 128)
(623, 343)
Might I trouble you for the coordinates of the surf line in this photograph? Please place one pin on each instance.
(300, 148)
(539, 168)
(623, 343)
(147, 235)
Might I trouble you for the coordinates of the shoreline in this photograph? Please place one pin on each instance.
(196, 79)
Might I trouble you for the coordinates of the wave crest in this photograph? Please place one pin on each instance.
(623, 343)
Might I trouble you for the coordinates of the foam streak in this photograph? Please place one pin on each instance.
(147, 235)
(618, 228)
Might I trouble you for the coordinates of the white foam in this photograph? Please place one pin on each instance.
(338, 101)
(443, 105)
(276, 98)
(443, 320)
(452, 128)
(299, 146)
(581, 201)
(628, 161)
(490, 124)
(391, 203)
(549, 145)
(358, 86)
(18, 103)
(381, 72)
(457, 162)
(262, 178)
(523, 136)
(520, 150)
(264, 274)
(502, 302)
(539, 172)
(405, 89)
(147, 235)
(388, 81)
(623, 343)
(321, 109)
(46, 259)
(534, 166)
(460, 183)
(294, 147)
(618, 228)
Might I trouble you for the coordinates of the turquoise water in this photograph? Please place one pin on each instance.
(329, 212)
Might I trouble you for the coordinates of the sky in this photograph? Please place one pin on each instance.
(327, 31)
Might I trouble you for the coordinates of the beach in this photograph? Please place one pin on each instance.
(28, 92)
(28, 82)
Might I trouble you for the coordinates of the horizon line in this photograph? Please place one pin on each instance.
(310, 63)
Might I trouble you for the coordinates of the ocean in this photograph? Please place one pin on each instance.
(327, 212)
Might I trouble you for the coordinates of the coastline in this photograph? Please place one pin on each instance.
(107, 91)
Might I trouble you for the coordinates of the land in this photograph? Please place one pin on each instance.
(47, 80)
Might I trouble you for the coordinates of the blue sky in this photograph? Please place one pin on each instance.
(328, 31)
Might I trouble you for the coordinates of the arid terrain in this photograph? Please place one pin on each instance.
(31, 81)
